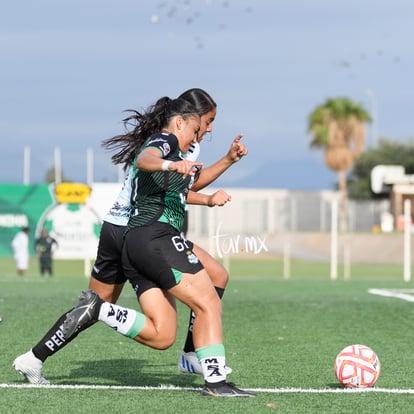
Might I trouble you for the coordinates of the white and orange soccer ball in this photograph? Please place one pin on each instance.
(357, 366)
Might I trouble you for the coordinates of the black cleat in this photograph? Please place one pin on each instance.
(85, 312)
(224, 389)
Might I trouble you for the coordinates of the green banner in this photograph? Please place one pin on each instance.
(63, 209)
(21, 205)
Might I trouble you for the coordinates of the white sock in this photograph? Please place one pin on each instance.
(213, 360)
(126, 321)
(213, 368)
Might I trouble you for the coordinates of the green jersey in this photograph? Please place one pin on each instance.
(161, 195)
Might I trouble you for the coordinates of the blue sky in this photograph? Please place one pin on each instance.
(70, 69)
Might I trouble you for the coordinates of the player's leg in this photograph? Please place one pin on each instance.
(107, 280)
(22, 264)
(188, 362)
(197, 292)
(168, 260)
(106, 291)
(145, 265)
(49, 266)
(158, 328)
(30, 364)
(155, 326)
(159, 307)
(44, 266)
(54, 340)
(157, 257)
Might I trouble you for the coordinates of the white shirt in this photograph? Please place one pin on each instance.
(20, 246)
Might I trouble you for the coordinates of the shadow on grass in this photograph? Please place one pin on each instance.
(127, 372)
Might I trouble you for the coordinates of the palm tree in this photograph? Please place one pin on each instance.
(338, 127)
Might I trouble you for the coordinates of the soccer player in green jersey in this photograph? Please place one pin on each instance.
(156, 257)
(107, 277)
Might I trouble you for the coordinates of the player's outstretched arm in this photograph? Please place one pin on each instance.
(209, 174)
(219, 198)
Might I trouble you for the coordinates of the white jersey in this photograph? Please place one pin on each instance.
(193, 153)
(120, 211)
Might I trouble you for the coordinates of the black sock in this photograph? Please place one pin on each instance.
(54, 340)
(189, 345)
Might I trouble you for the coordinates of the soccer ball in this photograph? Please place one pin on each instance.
(357, 366)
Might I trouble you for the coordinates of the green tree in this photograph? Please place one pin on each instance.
(338, 127)
(387, 152)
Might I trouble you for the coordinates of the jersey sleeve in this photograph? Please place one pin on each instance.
(166, 143)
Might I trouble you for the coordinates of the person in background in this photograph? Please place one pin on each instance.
(20, 246)
(44, 246)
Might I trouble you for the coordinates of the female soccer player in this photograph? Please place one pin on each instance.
(156, 256)
(107, 276)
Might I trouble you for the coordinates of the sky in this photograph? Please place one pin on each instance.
(69, 70)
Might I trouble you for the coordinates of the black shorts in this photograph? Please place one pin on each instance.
(156, 256)
(108, 264)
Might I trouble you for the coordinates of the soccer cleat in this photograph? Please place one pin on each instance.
(224, 389)
(87, 310)
(30, 367)
(188, 363)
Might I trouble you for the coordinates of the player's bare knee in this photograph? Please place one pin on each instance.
(224, 278)
(211, 305)
(164, 342)
(220, 277)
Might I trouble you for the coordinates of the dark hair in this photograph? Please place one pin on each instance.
(144, 124)
(201, 100)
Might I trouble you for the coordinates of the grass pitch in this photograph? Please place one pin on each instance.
(281, 340)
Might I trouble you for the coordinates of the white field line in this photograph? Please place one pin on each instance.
(397, 294)
(173, 388)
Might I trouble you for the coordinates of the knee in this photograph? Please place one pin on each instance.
(223, 277)
(211, 305)
(163, 342)
(219, 277)
(162, 346)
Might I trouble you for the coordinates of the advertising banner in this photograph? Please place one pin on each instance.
(65, 210)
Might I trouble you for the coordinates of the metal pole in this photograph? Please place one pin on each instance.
(58, 166)
(407, 240)
(26, 166)
(89, 166)
(286, 260)
(334, 239)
